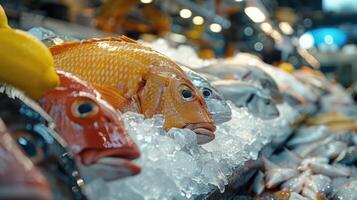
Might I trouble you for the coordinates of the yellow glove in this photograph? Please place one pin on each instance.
(25, 62)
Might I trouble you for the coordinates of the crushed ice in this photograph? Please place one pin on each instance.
(175, 167)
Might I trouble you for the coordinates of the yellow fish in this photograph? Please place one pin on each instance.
(137, 78)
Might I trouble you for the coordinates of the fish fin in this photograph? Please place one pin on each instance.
(56, 49)
(113, 96)
(127, 39)
(151, 93)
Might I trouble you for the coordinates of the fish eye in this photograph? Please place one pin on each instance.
(266, 84)
(186, 93)
(267, 102)
(206, 92)
(84, 107)
(29, 146)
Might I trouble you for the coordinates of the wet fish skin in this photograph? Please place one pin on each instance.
(19, 178)
(248, 74)
(245, 95)
(217, 105)
(28, 123)
(136, 78)
(92, 128)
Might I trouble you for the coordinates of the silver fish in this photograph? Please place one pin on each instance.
(217, 105)
(245, 95)
(344, 189)
(249, 74)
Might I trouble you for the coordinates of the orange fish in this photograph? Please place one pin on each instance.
(93, 130)
(137, 78)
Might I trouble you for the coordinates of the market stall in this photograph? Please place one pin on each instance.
(111, 100)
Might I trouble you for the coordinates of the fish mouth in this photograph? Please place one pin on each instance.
(110, 168)
(204, 131)
(109, 164)
(25, 192)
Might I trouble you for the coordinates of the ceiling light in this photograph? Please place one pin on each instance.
(238, 0)
(145, 1)
(198, 20)
(306, 41)
(216, 28)
(185, 13)
(266, 27)
(328, 39)
(286, 28)
(255, 14)
(276, 36)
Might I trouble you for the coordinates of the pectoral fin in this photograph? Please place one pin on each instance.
(113, 96)
(151, 94)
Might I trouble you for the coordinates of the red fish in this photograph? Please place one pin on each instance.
(93, 130)
(19, 178)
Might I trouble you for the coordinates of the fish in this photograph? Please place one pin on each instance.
(92, 128)
(217, 105)
(34, 131)
(289, 84)
(344, 189)
(19, 177)
(132, 77)
(248, 74)
(246, 95)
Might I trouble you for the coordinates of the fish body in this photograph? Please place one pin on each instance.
(34, 131)
(92, 128)
(248, 74)
(19, 178)
(217, 105)
(319, 87)
(136, 78)
(245, 95)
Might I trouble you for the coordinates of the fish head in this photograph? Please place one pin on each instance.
(262, 106)
(185, 107)
(261, 79)
(217, 105)
(34, 131)
(93, 130)
(270, 87)
(19, 178)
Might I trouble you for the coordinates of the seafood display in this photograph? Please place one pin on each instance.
(249, 96)
(93, 130)
(34, 131)
(249, 74)
(132, 77)
(216, 103)
(114, 119)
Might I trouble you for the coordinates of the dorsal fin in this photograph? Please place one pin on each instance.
(127, 39)
(56, 49)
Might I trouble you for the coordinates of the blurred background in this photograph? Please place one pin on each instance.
(320, 34)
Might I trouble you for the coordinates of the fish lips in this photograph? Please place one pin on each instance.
(110, 168)
(109, 164)
(204, 131)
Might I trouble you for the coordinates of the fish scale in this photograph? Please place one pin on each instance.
(136, 78)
